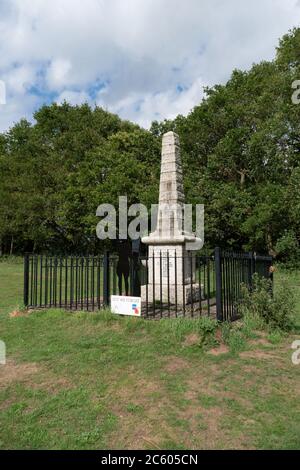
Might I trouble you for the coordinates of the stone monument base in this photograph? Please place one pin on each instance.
(183, 294)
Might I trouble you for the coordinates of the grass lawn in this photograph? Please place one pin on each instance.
(95, 381)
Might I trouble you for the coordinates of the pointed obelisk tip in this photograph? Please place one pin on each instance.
(170, 138)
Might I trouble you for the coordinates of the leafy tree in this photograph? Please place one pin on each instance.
(240, 153)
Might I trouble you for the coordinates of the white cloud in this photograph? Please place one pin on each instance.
(141, 49)
(19, 79)
(73, 97)
(13, 110)
(59, 73)
(159, 106)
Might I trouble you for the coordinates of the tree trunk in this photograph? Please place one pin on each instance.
(242, 174)
(271, 250)
(11, 245)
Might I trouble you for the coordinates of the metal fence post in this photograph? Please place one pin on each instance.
(271, 276)
(26, 280)
(251, 269)
(218, 270)
(106, 279)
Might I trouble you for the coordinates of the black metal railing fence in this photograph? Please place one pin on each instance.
(170, 285)
(66, 282)
(234, 270)
(87, 283)
(173, 285)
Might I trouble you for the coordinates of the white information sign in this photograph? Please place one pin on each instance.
(123, 305)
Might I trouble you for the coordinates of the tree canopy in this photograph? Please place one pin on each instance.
(240, 151)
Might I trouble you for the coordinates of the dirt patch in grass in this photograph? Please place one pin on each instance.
(204, 426)
(18, 313)
(265, 350)
(210, 405)
(222, 349)
(206, 429)
(258, 354)
(191, 340)
(213, 420)
(201, 381)
(259, 341)
(51, 383)
(260, 333)
(139, 405)
(156, 417)
(135, 434)
(140, 393)
(32, 374)
(176, 364)
(136, 391)
(13, 372)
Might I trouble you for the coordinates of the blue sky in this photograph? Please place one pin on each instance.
(142, 59)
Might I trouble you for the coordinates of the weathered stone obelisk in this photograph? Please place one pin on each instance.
(171, 268)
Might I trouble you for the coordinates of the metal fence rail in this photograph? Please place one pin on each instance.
(168, 296)
(170, 286)
(233, 270)
(66, 282)
(87, 283)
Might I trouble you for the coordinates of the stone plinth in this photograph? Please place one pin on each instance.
(171, 270)
(182, 295)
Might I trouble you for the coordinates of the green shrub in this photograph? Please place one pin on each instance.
(287, 248)
(275, 336)
(233, 335)
(236, 341)
(276, 310)
(179, 328)
(225, 331)
(252, 322)
(11, 259)
(207, 328)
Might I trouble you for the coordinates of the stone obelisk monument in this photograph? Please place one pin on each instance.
(171, 268)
